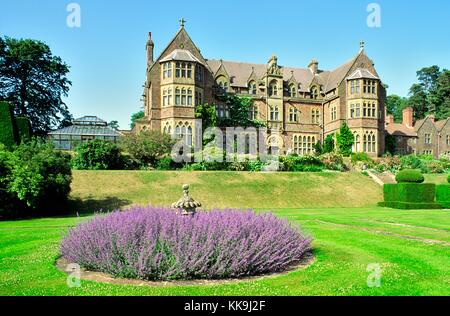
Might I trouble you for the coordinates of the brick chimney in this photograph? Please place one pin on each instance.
(314, 66)
(408, 116)
(389, 119)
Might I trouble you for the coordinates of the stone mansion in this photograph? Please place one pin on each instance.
(299, 106)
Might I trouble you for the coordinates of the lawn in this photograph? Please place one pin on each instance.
(411, 247)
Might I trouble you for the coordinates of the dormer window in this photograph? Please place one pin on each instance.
(222, 82)
(314, 93)
(252, 87)
(292, 91)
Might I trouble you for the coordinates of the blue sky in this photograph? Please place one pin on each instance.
(107, 53)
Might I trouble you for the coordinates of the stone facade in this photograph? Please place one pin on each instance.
(301, 106)
(424, 137)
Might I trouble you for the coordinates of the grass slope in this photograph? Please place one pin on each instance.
(109, 189)
(412, 248)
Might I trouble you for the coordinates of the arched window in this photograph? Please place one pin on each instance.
(273, 88)
(252, 87)
(292, 91)
(314, 93)
(222, 82)
(184, 132)
(357, 144)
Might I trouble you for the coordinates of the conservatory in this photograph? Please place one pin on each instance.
(83, 130)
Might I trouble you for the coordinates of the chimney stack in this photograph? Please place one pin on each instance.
(314, 66)
(408, 117)
(432, 118)
(150, 45)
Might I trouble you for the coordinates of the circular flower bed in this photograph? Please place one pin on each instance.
(157, 244)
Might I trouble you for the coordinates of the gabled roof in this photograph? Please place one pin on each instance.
(441, 124)
(361, 73)
(400, 130)
(181, 55)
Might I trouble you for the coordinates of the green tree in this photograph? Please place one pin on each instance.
(418, 101)
(395, 105)
(328, 144)
(443, 95)
(345, 140)
(136, 116)
(35, 82)
(114, 125)
(207, 112)
(147, 147)
(98, 155)
(318, 149)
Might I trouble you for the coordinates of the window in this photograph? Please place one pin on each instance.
(165, 97)
(198, 73)
(184, 132)
(167, 70)
(334, 113)
(315, 116)
(252, 87)
(447, 141)
(189, 97)
(427, 152)
(177, 96)
(357, 144)
(183, 70)
(314, 93)
(222, 82)
(253, 113)
(428, 139)
(183, 96)
(358, 110)
(352, 86)
(273, 88)
(369, 142)
(223, 111)
(198, 98)
(292, 91)
(293, 115)
(369, 87)
(303, 144)
(168, 129)
(274, 113)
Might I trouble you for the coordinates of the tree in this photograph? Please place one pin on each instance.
(207, 112)
(34, 81)
(328, 145)
(114, 125)
(418, 101)
(345, 140)
(395, 105)
(318, 149)
(239, 108)
(443, 95)
(147, 147)
(136, 116)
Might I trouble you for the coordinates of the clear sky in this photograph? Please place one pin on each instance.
(107, 53)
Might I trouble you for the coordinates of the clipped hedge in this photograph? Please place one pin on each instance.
(409, 176)
(8, 129)
(443, 195)
(23, 129)
(410, 196)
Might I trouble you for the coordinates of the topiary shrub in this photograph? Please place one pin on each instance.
(409, 176)
(98, 155)
(443, 195)
(23, 129)
(157, 244)
(410, 196)
(8, 128)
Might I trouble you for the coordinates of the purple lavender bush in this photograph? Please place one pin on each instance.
(157, 244)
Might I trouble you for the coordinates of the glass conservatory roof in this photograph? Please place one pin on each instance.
(88, 126)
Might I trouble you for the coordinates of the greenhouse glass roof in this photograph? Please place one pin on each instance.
(88, 126)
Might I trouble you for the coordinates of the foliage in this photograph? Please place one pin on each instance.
(35, 82)
(239, 108)
(333, 161)
(8, 128)
(98, 155)
(328, 146)
(409, 176)
(35, 177)
(448, 178)
(395, 105)
(136, 116)
(147, 147)
(318, 149)
(363, 157)
(158, 244)
(23, 129)
(345, 140)
(443, 195)
(390, 144)
(410, 196)
(301, 163)
(114, 125)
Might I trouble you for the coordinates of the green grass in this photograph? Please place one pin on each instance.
(412, 247)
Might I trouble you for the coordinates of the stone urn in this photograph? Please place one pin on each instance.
(186, 204)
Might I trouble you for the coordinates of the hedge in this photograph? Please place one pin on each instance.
(23, 129)
(443, 195)
(410, 176)
(410, 196)
(8, 129)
